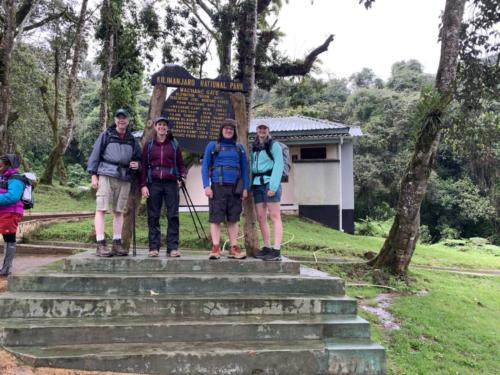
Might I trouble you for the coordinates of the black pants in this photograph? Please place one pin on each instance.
(163, 191)
(10, 237)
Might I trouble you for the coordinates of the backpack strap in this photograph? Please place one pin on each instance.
(268, 147)
(149, 145)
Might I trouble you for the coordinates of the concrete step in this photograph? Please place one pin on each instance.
(88, 262)
(61, 305)
(77, 331)
(246, 357)
(178, 283)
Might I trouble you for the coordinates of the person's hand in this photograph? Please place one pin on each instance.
(244, 195)
(134, 165)
(145, 192)
(271, 193)
(208, 192)
(94, 181)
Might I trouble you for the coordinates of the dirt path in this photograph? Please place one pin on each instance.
(463, 271)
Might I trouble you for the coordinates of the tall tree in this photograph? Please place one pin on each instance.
(16, 18)
(399, 246)
(66, 136)
(110, 13)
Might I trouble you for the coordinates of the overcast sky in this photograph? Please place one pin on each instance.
(392, 30)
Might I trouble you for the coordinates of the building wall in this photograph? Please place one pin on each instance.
(316, 183)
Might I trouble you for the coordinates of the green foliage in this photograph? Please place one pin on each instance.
(456, 208)
(77, 175)
(408, 75)
(369, 227)
(425, 234)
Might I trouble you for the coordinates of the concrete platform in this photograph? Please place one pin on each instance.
(185, 315)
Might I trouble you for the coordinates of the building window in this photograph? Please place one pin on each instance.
(307, 153)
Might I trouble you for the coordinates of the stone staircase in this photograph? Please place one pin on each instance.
(186, 316)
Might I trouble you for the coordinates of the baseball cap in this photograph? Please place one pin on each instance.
(122, 112)
(263, 123)
(162, 118)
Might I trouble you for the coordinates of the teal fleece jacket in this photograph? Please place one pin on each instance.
(261, 162)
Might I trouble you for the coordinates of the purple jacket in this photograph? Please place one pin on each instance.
(11, 196)
(163, 163)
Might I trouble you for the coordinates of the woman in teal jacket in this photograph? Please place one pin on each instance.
(267, 169)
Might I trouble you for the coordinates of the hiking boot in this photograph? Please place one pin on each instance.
(153, 253)
(274, 255)
(236, 253)
(174, 254)
(263, 252)
(102, 250)
(215, 252)
(117, 249)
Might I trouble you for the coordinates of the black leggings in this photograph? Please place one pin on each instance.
(10, 237)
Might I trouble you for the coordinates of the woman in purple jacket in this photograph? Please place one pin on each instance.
(11, 208)
(163, 168)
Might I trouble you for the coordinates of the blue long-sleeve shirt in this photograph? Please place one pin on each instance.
(226, 160)
(13, 193)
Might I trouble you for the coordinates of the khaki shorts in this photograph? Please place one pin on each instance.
(112, 194)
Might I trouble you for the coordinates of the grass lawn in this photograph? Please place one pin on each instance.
(57, 198)
(449, 325)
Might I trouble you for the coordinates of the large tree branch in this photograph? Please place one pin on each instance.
(45, 20)
(300, 68)
(205, 8)
(24, 11)
(192, 6)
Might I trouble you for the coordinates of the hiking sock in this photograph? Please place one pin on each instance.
(99, 237)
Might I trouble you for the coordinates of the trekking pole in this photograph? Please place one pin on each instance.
(134, 211)
(190, 204)
(183, 188)
(134, 243)
(195, 212)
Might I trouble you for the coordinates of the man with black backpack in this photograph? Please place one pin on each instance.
(11, 207)
(115, 153)
(225, 180)
(162, 170)
(267, 166)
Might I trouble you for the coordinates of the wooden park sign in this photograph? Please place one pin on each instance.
(197, 107)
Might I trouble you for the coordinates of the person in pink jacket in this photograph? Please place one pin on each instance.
(11, 207)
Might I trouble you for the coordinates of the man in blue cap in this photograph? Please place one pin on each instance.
(115, 153)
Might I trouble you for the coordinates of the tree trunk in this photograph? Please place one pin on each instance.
(53, 117)
(108, 48)
(399, 246)
(247, 39)
(6, 47)
(55, 157)
(249, 226)
(155, 106)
